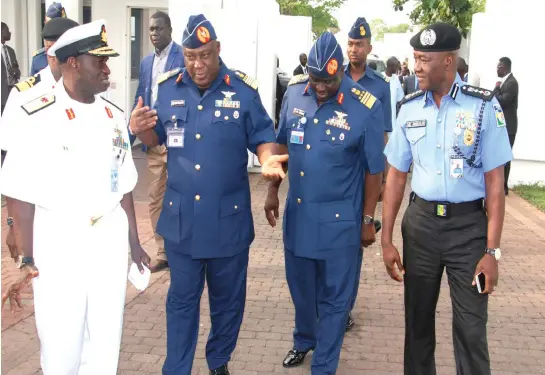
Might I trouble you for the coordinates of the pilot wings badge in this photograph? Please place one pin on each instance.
(339, 121)
(228, 101)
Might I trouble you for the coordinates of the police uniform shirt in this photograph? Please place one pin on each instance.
(207, 206)
(77, 164)
(379, 86)
(39, 61)
(23, 92)
(330, 147)
(451, 147)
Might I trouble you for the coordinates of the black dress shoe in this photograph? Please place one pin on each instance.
(294, 358)
(350, 322)
(223, 370)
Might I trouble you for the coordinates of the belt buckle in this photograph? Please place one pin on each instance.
(442, 209)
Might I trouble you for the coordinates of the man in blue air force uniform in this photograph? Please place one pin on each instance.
(332, 130)
(39, 58)
(359, 47)
(208, 116)
(455, 136)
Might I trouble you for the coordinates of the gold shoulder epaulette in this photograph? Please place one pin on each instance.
(39, 52)
(163, 77)
(250, 81)
(299, 78)
(38, 104)
(28, 83)
(364, 97)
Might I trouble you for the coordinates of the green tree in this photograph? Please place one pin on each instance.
(379, 28)
(319, 10)
(456, 12)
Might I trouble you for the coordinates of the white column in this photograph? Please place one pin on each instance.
(34, 16)
(73, 8)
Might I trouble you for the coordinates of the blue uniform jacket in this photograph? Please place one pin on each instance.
(207, 207)
(330, 147)
(379, 86)
(175, 60)
(39, 61)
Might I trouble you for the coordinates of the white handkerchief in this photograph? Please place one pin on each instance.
(140, 281)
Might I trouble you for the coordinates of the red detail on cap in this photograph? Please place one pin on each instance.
(332, 66)
(203, 34)
(109, 112)
(179, 79)
(227, 79)
(340, 98)
(71, 114)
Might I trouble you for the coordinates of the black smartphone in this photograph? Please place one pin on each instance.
(378, 225)
(480, 280)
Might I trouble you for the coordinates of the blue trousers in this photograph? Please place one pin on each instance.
(226, 281)
(358, 275)
(321, 291)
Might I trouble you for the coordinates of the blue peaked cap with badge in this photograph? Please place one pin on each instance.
(360, 29)
(198, 32)
(55, 10)
(325, 57)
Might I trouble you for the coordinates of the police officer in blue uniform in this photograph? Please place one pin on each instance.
(455, 136)
(359, 46)
(332, 129)
(208, 116)
(39, 58)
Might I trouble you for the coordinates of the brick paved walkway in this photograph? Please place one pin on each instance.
(375, 346)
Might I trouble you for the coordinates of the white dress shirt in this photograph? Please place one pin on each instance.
(158, 68)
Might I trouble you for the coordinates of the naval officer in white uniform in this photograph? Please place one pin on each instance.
(71, 182)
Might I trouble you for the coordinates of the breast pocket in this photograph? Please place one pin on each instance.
(227, 122)
(333, 146)
(337, 226)
(417, 139)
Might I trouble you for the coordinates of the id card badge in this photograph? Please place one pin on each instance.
(175, 137)
(297, 136)
(456, 167)
(114, 180)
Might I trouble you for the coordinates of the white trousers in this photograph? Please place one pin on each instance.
(79, 295)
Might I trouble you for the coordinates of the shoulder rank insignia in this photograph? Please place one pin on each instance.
(163, 77)
(411, 96)
(39, 52)
(246, 79)
(364, 97)
(38, 104)
(28, 83)
(300, 78)
(477, 92)
(106, 100)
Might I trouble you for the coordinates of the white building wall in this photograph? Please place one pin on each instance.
(489, 42)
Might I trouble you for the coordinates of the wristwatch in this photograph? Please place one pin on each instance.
(23, 261)
(10, 221)
(496, 253)
(368, 219)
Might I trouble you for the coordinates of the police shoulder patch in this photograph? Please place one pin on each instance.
(38, 104)
(364, 97)
(39, 52)
(300, 78)
(250, 81)
(411, 96)
(163, 77)
(106, 100)
(478, 92)
(28, 83)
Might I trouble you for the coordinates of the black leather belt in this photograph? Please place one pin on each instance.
(446, 209)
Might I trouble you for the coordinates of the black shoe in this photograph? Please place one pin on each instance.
(350, 322)
(223, 370)
(294, 358)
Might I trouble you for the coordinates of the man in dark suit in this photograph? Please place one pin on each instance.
(410, 84)
(507, 93)
(462, 68)
(167, 56)
(302, 68)
(10, 66)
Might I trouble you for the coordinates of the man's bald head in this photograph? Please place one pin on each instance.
(462, 67)
(392, 66)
